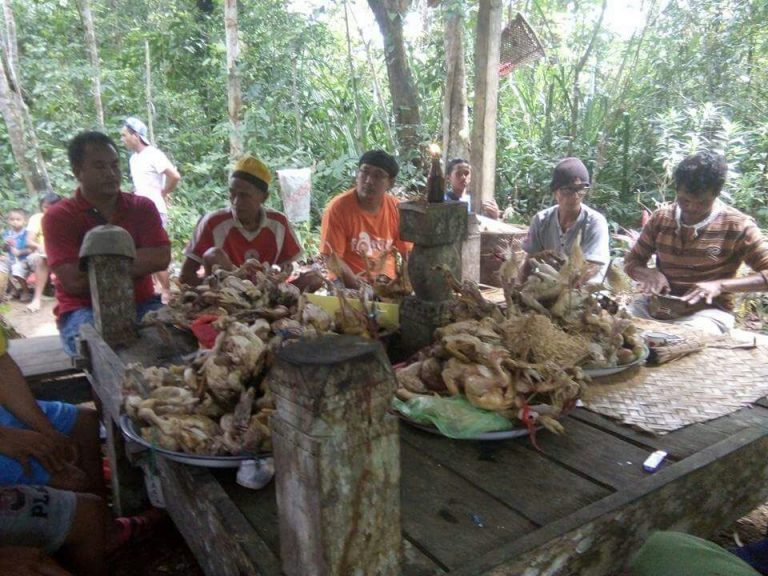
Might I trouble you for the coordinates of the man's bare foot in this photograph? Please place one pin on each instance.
(34, 306)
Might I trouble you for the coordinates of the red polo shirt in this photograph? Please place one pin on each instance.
(66, 223)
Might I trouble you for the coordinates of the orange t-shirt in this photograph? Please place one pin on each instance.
(349, 232)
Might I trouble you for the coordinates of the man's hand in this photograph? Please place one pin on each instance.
(706, 291)
(23, 444)
(25, 561)
(653, 282)
(491, 209)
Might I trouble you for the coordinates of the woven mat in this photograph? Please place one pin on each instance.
(705, 385)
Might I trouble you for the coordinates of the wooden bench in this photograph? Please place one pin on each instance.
(49, 371)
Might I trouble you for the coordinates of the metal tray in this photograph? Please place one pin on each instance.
(500, 435)
(597, 372)
(130, 432)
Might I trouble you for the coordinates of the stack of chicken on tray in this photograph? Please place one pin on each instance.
(493, 370)
(218, 403)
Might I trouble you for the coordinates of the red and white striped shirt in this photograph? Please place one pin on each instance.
(273, 242)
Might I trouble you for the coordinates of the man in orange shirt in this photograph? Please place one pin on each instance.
(362, 225)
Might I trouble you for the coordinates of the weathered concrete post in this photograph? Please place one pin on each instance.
(437, 231)
(108, 251)
(337, 458)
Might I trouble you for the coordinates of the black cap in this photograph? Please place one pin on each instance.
(566, 171)
(382, 160)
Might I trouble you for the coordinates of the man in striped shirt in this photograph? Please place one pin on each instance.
(247, 229)
(700, 244)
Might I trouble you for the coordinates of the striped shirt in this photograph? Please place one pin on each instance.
(713, 252)
(273, 242)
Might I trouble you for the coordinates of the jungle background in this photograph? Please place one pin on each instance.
(631, 87)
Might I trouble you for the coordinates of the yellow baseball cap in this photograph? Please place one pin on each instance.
(253, 170)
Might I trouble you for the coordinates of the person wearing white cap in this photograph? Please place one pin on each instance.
(154, 176)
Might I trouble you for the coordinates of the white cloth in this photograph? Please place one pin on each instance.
(147, 173)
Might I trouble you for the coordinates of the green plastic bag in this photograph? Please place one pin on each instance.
(454, 416)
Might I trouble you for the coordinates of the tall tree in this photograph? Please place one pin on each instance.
(405, 102)
(21, 132)
(234, 96)
(93, 57)
(455, 117)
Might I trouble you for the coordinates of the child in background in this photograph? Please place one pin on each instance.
(15, 240)
(37, 259)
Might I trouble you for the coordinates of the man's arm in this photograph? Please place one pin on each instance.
(189, 270)
(148, 260)
(651, 280)
(151, 259)
(42, 441)
(172, 178)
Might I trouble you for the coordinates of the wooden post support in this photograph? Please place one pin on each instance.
(110, 251)
(337, 458)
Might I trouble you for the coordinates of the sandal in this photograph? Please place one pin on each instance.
(134, 529)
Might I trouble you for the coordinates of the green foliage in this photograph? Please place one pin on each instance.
(693, 75)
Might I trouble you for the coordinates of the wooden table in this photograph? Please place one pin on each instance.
(580, 506)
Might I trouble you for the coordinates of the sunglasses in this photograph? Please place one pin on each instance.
(576, 190)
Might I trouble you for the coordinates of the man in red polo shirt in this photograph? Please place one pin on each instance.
(247, 229)
(98, 200)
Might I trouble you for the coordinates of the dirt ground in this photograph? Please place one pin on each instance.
(165, 552)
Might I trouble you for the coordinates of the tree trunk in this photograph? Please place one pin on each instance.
(487, 46)
(576, 96)
(455, 117)
(405, 103)
(93, 56)
(234, 97)
(21, 133)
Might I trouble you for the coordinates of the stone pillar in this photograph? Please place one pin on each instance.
(437, 232)
(470, 251)
(337, 458)
(108, 251)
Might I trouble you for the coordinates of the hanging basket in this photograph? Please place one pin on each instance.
(519, 45)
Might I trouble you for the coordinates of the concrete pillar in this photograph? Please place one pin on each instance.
(108, 251)
(337, 458)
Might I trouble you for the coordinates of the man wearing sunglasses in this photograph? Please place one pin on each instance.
(557, 228)
(699, 244)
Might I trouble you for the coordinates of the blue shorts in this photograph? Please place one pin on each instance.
(62, 416)
(69, 323)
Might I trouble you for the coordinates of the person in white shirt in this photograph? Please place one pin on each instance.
(154, 176)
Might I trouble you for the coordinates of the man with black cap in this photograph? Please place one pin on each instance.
(247, 229)
(362, 224)
(154, 176)
(557, 228)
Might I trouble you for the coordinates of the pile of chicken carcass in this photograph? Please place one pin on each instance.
(218, 403)
(526, 363)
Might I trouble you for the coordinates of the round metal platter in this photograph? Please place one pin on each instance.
(130, 432)
(597, 372)
(500, 435)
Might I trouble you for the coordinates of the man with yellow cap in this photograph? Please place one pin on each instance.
(247, 229)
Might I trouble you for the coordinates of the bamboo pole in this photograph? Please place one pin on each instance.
(148, 90)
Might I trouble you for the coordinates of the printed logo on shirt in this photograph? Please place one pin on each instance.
(15, 500)
(367, 246)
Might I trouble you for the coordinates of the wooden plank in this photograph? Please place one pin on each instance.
(607, 459)
(537, 493)
(448, 516)
(222, 540)
(698, 495)
(41, 356)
